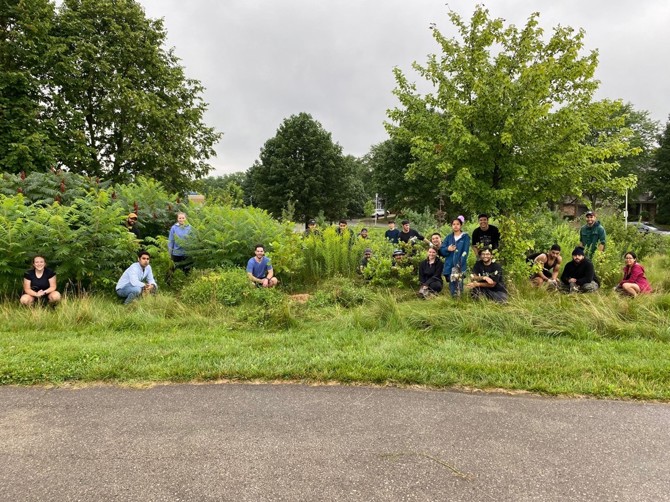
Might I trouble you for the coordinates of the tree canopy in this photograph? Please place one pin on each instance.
(660, 179)
(303, 165)
(108, 98)
(509, 123)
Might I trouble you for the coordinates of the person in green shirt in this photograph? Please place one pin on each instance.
(592, 235)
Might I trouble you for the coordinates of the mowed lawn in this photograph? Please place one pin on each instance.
(598, 345)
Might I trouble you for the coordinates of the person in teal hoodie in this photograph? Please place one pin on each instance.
(178, 234)
(455, 249)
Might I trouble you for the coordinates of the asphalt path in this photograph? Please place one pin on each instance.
(245, 442)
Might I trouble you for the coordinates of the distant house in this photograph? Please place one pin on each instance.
(641, 206)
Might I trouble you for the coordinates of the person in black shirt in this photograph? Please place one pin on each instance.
(430, 275)
(131, 225)
(392, 233)
(487, 279)
(39, 283)
(485, 236)
(578, 275)
(409, 234)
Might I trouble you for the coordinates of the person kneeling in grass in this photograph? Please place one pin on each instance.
(578, 275)
(39, 283)
(634, 281)
(137, 279)
(487, 279)
(430, 275)
(259, 269)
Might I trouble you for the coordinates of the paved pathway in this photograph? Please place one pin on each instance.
(291, 442)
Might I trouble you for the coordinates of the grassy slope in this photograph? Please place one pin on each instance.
(598, 345)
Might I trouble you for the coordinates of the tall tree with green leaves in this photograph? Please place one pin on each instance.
(25, 143)
(508, 125)
(123, 104)
(660, 176)
(302, 164)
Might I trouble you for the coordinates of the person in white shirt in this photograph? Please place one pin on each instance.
(137, 279)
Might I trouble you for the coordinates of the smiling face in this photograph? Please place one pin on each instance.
(259, 252)
(486, 256)
(629, 259)
(435, 240)
(590, 219)
(432, 254)
(39, 263)
(484, 223)
(181, 218)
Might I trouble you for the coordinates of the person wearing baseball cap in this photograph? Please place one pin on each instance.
(131, 225)
(578, 275)
(592, 235)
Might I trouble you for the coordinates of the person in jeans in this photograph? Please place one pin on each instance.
(455, 249)
(137, 279)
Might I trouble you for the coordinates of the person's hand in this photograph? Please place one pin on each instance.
(471, 285)
(572, 280)
(452, 248)
(41, 293)
(488, 280)
(265, 282)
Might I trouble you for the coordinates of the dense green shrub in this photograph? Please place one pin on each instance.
(84, 242)
(225, 236)
(225, 286)
(49, 187)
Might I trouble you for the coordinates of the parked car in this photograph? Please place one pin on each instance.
(647, 228)
(380, 212)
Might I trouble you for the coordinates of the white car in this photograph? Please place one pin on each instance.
(379, 213)
(647, 228)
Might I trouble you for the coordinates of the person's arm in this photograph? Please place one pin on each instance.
(463, 259)
(541, 258)
(269, 272)
(134, 274)
(28, 290)
(52, 285)
(602, 236)
(150, 278)
(557, 268)
(635, 275)
(254, 279)
(171, 240)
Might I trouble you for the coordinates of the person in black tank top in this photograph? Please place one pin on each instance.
(551, 265)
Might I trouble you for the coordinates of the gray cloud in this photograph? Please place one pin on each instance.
(262, 61)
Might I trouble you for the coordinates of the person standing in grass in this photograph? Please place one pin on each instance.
(551, 265)
(392, 234)
(259, 269)
(487, 278)
(592, 236)
(634, 281)
(409, 235)
(39, 283)
(578, 275)
(485, 235)
(138, 279)
(455, 249)
(430, 275)
(178, 234)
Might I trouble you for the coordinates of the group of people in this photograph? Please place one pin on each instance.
(445, 258)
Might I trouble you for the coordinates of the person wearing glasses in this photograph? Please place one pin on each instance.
(634, 281)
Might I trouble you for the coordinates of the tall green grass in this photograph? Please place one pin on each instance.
(601, 345)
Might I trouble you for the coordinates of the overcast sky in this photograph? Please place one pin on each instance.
(262, 61)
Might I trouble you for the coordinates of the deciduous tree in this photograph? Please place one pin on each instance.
(661, 176)
(123, 103)
(508, 124)
(301, 163)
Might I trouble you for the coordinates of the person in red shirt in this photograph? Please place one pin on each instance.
(634, 281)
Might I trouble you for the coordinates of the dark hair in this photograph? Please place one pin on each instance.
(259, 246)
(364, 229)
(488, 249)
(555, 247)
(143, 252)
(458, 219)
(630, 253)
(343, 221)
(38, 256)
(436, 233)
(392, 221)
(483, 215)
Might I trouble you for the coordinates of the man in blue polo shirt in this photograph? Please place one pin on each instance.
(259, 269)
